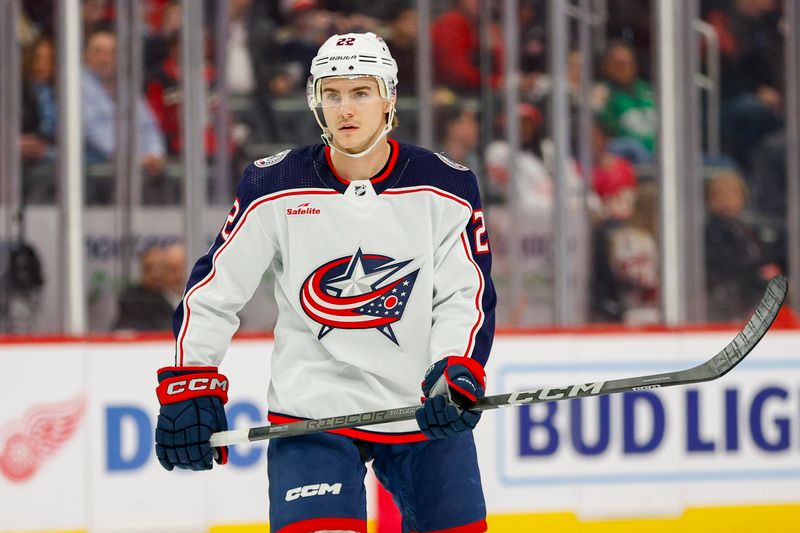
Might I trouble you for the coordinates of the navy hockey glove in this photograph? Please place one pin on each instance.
(192, 400)
(451, 386)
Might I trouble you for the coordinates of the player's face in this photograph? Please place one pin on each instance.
(354, 111)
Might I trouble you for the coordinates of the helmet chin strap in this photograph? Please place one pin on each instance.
(327, 138)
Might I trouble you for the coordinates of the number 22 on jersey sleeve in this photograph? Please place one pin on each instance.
(481, 238)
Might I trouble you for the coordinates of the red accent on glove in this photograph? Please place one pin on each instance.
(197, 382)
(221, 455)
(474, 367)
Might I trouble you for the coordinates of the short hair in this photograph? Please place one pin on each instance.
(726, 175)
(445, 115)
(617, 43)
(97, 30)
(30, 51)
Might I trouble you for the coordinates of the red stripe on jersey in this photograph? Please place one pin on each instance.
(363, 321)
(370, 436)
(394, 153)
(434, 190)
(478, 296)
(367, 322)
(234, 232)
(326, 524)
(475, 527)
(390, 166)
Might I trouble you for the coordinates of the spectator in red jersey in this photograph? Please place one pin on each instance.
(613, 177)
(625, 281)
(456, 48)
(164, 96)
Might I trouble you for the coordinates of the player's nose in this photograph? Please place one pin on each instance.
(346, 109)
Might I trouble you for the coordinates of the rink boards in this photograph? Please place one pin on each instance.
(77, 422)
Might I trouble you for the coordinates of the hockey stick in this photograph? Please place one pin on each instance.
(716, 367)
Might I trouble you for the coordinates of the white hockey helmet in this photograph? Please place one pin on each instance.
(353, 55)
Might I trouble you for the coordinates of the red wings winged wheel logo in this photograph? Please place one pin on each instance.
(28, 441)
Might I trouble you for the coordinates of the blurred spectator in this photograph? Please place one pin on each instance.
(457, 133)
(354, 15)
(39, 122)
(35, 20)
(402, 41)
(540, 91)
(533, 185)
(534, 81)
(164, 97)
(737, 269)
(249, 67)
(456, 48)
(632, 22)
(98, 90)
(625, 281)
(383, 10)
(308, 27)
(646, 212)
(39, 112)
(163, 22)
(612, 175)
(240, 69)
(767, 181)
(145, 306)
(174, 273)
(751, 71)
(532, 21)
(627, 107)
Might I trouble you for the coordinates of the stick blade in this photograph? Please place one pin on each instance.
(755, 329)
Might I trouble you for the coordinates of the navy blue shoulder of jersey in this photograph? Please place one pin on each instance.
(290, 169)
(424, 167)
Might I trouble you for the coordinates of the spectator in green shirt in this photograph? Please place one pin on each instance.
(626, 105)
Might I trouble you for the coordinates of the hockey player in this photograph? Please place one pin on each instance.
(382, 265)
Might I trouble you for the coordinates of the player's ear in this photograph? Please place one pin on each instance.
(388, 104)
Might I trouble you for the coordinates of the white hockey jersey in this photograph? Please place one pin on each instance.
(375, 280)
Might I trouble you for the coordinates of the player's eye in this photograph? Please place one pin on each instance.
(331, 98)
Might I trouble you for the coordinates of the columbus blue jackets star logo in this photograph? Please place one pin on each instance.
(359, 291)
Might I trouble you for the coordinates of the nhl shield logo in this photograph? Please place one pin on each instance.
(359, 291)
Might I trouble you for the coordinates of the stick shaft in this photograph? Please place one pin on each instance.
(716, 367)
